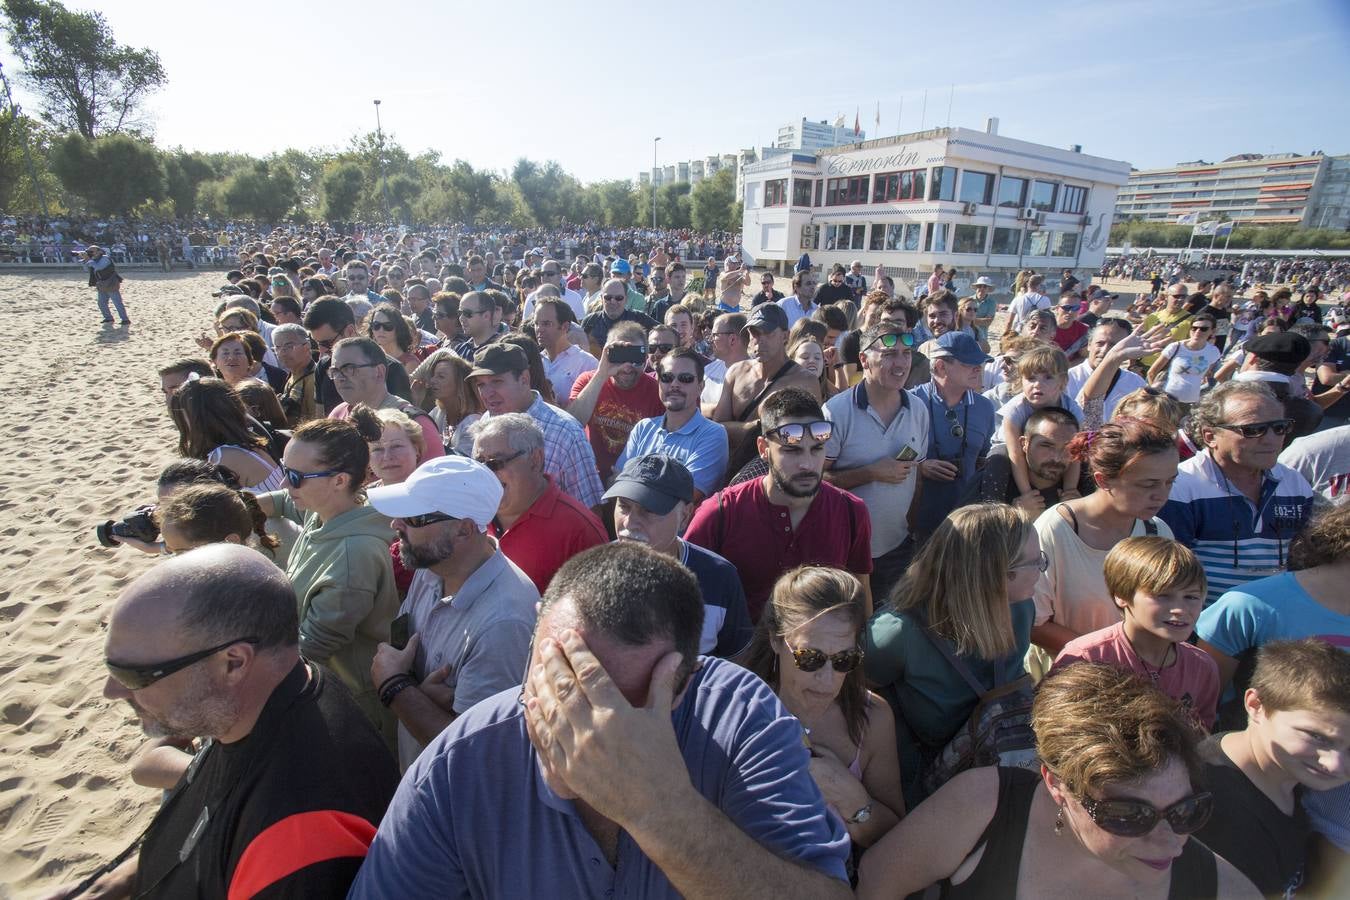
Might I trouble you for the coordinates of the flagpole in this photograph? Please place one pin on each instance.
(899, 116)
(951, 98)
(923, 114)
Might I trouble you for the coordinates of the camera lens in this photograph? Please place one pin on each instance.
(104, 533)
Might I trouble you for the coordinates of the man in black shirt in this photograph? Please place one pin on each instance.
(284, 797)
(597, 324)
(835, 289)
(1045, 441)
(329, 320)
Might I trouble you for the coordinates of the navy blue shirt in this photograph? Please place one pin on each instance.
(473, 816)
(726, 620)
(974, 414)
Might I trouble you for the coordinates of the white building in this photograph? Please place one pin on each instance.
(978, 201)
(812, 136)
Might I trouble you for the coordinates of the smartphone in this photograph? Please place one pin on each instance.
(624, 353)
(907, 454)
(398, 632)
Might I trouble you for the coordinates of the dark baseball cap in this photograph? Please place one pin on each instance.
(655, 481)
(498, 359)
(767, 317)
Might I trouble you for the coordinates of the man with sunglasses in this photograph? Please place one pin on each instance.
(879, 436)
(480, 318)
(683, 433)
(329, 320)
(791, 516)
(610, 399)
(727, 342)
(552, 273)
(1070, 334)
(961, 429)
(1233, 503)
(205, 646)
(469, 609)
(767, 292)
(614, 296)
(359, 296)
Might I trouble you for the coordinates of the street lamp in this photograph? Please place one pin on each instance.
(654, 143)
(379, 137)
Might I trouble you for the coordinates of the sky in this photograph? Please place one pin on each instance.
(1151, 82)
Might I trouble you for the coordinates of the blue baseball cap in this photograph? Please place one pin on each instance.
(620, 267)
(961, 347)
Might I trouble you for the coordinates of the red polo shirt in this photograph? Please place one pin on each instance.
(756, 536)
(552, 531)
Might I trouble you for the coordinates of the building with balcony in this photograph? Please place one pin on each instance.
(809, 136)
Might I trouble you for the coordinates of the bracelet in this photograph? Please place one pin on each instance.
(390, 680)
(389, 693)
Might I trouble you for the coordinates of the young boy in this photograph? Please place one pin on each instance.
(1297, 740)
(1159, 587)
(1043, 373)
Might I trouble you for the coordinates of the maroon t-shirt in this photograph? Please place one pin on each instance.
(616, 412)
(756, 536)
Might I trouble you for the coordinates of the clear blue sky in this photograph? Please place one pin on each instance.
(1153, 82)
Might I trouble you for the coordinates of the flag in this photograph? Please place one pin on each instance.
(857, 123)
(1188, 219)
(1205, 228)
(1224, 229)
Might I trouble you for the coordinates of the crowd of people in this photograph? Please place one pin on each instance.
(503, 571)
(1243, 269)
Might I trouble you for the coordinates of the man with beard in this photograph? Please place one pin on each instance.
(939, 317)
(469, 609)
(1045, 442)
(789, 517)
(292, 779)
(803, 300)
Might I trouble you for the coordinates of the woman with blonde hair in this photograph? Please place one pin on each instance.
(807, 647)
(399, 450)
(968, 591)
(1110, 814)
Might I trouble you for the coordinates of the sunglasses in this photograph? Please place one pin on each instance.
(1258, 429)
(1135, 818)
(426, 519)
(683, 377)
(793, 434)
(295, 479)
(615, 297)
(378, 325)
(470, 313)
(498, 463)
(1041, 562)
(1200, 328)
(660, 348)
(809, 659)
(138, 678)
(892, 340)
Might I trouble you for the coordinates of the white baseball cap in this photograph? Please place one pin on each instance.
(453, 485)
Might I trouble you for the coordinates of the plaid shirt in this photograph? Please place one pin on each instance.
(567, 453)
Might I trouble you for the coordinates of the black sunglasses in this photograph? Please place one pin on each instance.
(1258, 429)
(616, 297)
(957, 429)
(138, 678)
(295, 479)
(809, 659)
(426, 519)
(1135, 818)
(378, 325)
(794, 433)
(496, 464)
(660, 348)
(683, 377)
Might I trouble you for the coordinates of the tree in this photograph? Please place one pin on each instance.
(342, 185)
(673, 205)
(713, 201)
(264, 192)
(85, 80)
(113, 174)
(616, 203)
(549, 193)
(184, 174)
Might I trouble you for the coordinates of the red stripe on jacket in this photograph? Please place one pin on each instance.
(295, 842)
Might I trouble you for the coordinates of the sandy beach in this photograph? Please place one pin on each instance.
(85, 420)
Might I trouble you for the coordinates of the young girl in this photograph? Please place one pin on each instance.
(1044, 374)
(1187, 363)
(1159, 587)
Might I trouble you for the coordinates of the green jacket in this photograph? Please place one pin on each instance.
(344, 583)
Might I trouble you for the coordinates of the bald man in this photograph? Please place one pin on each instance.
(291, 781)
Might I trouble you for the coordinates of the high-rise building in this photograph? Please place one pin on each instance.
(1331, 204)
(809, 136)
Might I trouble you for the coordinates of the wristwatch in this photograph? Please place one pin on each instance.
(861, 816)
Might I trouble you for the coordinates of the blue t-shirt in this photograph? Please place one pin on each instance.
(726, 620)
(473, 817)
(973, 417)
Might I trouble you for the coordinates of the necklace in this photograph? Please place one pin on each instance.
(1154, 674)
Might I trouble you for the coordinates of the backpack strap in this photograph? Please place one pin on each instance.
(1150, 527)
(961, 668)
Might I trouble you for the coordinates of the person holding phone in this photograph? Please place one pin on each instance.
(612, 398)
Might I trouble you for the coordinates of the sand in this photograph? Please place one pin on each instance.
(87, 433)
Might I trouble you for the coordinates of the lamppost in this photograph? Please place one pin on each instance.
(379, 137)
(655, 141)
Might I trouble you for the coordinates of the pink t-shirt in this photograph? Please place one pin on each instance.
(1193, 679)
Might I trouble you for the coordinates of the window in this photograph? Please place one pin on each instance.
(775, 192)
(845, 237)
(843, 191)
(935, 240)
(1075, 199)
(943, 186)
(976, 187)
(819, 186)
(969, 239)
(912, 236)
(1006, 241)
(1037, 243)
(801, 191)
(810, 237)
(878, 237)
(1063, 243)
(1043, 195)
(890, 186)
(1012, 192)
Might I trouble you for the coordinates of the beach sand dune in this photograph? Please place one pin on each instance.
(86, 433)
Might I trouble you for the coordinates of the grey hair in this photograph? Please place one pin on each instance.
(523, 434)
(1209, 412)
(1045, 315)
(290, 329)
(549, 290)
(239, 302)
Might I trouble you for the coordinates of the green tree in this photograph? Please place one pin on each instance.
(713, 202)
(615, 203)
(184, 173)
(264, 192)
(550, 194)
(673, 205)
(113, 174)
(85, 81)
(342, 186)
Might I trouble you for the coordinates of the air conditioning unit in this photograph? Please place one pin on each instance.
(1028, 213)
(1038, 218)
(969, 209)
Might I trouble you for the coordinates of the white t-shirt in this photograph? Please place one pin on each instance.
(714, 374)
(1023, 306)
(1186, 370)
(1127, 383)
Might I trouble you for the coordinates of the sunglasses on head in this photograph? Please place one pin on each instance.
(891, 340)
(137, 678)
(426, 519)
(794, 433)
(809, 659)
(1258, 429)
(682, 378)
(1135, 818)
(295, 479)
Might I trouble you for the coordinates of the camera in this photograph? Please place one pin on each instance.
(140, 525)
(623, 353)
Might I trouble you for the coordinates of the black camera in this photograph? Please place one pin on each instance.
(140, 525)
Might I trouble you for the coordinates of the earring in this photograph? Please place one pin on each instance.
(1059, 822)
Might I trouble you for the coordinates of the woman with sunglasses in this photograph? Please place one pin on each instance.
(969, 591)
(339, 565)
(213, 426)
(1187, 363)
(807, 648)
(387, 327)
(1109, 814)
